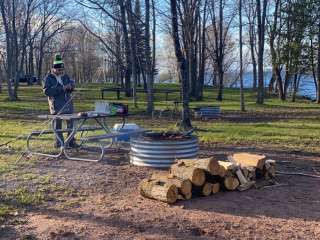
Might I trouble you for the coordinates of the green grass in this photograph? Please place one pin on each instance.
(19, 117)
(275, 124)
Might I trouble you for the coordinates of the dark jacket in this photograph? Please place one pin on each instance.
(59, 100)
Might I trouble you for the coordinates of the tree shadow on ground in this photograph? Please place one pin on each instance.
(167, 230)
(8, 233)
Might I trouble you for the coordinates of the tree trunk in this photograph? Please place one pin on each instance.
(261, 18)
(150, 106)
(185, 121)
(153, 39)
(242, 104)
(127, 75)
(220, 57)
(295, 87)
(133, 51)
(318, 68)
(313, 68)
(253, 56)
(220, 85)
(202, 55)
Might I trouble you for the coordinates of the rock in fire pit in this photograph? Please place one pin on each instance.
(161, 149)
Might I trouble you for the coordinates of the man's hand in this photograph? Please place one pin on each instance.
(67, 87)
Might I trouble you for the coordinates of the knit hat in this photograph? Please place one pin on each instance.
(58, 62)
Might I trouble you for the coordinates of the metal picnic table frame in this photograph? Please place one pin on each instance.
(78, 123)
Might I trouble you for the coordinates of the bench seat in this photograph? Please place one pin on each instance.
(83, 129)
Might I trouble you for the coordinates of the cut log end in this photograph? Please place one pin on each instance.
(207, 189)
(231, 183)
(198, 177)
(215, 188)
(159, 190)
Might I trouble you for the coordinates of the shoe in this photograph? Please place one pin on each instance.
(73, 144)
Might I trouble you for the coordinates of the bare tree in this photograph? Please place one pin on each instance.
(149, 72)
(218, 39)
(318, 62)
(261, 25)
(52, 22)
(16, 16)
(242, 104)
(183, 70)
(250, 12)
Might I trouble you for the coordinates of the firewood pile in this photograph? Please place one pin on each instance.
(202, 177)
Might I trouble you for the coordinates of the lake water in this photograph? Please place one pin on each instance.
(306, 87)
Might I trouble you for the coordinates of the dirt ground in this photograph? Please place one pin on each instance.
(105, 204)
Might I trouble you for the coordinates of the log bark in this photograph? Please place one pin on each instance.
(251, 160)
(210, 165)
(231, 183)
(270, 169)
(184, 185)
(159, 190)
(215, 188)
(249, 172)
(195, 175)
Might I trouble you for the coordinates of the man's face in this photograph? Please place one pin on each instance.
(58, 71)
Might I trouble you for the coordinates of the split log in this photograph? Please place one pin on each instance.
(215, 188)
(251, 173)
(270, 166)
(225, 167)
(210, 165)
(270, 172)
(204, 190)
(245, 172)
(231, 183)
(159, 190)
(195, 175)
(184, 185)
(252, 160)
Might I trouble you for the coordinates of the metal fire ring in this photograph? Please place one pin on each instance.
(161, 153)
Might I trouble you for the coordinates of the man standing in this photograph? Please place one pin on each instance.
(58, 87)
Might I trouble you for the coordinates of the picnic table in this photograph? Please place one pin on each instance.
(118, 90)
(79, 127)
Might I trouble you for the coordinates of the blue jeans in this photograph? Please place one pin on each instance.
(57, 125)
